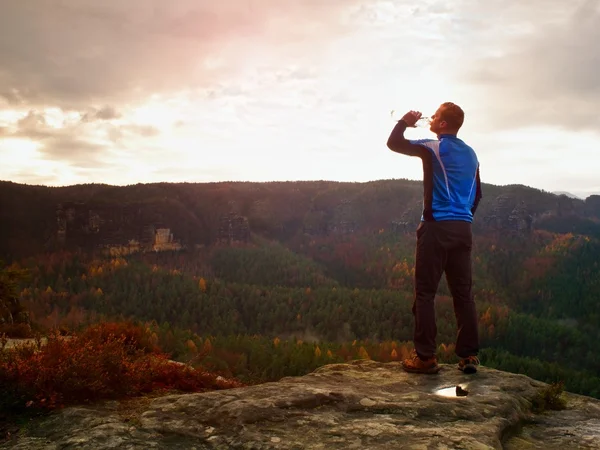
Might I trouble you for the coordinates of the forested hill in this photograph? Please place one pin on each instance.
(244, 265)
(35, 219)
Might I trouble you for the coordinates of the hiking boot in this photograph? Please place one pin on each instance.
(469, 364)
(414, 364)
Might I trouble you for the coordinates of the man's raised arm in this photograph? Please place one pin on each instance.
(399, 144)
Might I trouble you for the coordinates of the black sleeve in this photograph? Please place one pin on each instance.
(478, 194)
(399, 144)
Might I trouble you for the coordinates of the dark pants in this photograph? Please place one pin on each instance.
(444, 247)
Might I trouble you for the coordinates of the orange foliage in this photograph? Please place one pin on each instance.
(401, 275)
(191, 346)
(446, 352)
(134, 336)
(107, 361)
(560, 243)
(362, 353)
(486, 318)
(404, 352)
(202, 284)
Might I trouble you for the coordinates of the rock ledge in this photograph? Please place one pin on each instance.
(360, 405)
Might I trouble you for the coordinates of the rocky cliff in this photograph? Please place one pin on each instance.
(362, 405)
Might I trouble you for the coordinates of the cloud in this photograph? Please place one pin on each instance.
(85, 141)
(78, 53)
(75, 151)
(67, 144)
(543, 74)
(97, 62)
(105, 113)
(32, 121)
(120, 133)
(27, 177)
(11, 96)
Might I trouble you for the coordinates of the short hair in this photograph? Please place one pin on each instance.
(453, 115)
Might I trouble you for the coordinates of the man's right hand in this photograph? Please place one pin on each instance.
(411, 118)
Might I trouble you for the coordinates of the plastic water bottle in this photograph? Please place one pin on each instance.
(423, 122)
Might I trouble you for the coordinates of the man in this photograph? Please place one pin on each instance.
(452, 191)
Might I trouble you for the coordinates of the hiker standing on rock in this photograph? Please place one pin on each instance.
(452, 191)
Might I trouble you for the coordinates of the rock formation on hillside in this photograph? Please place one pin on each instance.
(125, 219)
(592, 205)
(520, 219)
(13, 315)
(344, 218)
(119, 229)
(509, 214)
(362, 405)
(233, 228)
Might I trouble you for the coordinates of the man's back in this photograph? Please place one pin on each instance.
(451, 178)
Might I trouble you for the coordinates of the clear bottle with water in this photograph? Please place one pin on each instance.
(423, 122)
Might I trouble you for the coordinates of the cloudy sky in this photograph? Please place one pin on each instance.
(122, 92)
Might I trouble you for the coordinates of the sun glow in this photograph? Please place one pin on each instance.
(161, 112)
(18, 152)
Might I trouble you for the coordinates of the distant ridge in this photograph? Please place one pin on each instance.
(568, 194)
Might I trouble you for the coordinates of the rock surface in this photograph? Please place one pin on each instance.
(362, 405)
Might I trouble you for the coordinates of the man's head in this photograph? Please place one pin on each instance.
(447, 119)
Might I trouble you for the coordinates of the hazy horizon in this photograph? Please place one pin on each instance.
(287, 90)
(275, 181)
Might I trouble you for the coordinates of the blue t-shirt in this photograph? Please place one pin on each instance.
(451, 178)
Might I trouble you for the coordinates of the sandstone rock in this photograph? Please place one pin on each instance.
(509, 214)
(234, 228)
(11, 310)
(592, 206)
(361, 405)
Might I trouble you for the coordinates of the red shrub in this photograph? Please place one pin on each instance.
(16, 330)
(107, 361)
(159, 373)
(135, 337)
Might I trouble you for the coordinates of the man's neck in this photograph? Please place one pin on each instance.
(446, 134)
